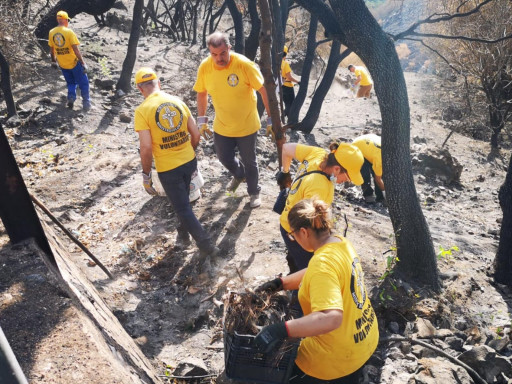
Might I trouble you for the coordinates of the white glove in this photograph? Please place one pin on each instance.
(204, 130)
(147, 182)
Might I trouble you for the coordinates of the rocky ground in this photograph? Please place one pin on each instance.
(85, 167)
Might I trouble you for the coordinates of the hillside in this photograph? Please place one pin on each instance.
(85, 167)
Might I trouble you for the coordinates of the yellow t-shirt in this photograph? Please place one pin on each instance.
(370, 146)
(366, 79)
(308, 186)
(166, 117)
(285, 68)
(334, 280)
(62, 38)
(233, 93)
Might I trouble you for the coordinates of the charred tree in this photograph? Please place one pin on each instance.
(503, 260)
(252, 42)
(5, 85)
(73, 8)
(366, 38)
(266, 70)
(238, 23)
(124, 82)
(16, 209)
(306, 71)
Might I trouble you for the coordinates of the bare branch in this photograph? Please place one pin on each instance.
(464, 38)
(437, 18)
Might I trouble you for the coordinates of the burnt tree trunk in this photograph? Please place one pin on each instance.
(497, 123)
(306, 71)
(503, 260)
(73, 8)
(16, 209)
(124, 82)
(238, 22)
(266, 70)
(5, 85)
(364, 36)
(252, 42)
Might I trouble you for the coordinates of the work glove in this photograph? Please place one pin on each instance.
(270, 131)
(204, 131)
(55, 65)
(270, 336)
(271, 286)
(147, 182)
(284, 180)
(84, 68)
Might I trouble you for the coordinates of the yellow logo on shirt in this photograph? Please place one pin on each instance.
(168, 117)
(59, 39)
(233, 80)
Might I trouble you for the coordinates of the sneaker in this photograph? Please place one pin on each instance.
(183, 238)
(234, 183)
(70, 103)
(87, 107)
(370, 199)
(255, 201)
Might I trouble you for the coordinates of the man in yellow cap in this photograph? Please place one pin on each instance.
(369, 145)
(363, 79)
(288, 80)
(231, 80)
(168, 133)
(65, 54)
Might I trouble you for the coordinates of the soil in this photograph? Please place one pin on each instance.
(86, 169)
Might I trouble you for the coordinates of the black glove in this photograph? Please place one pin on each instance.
(284, 180)
(271, 286)
(270, 336)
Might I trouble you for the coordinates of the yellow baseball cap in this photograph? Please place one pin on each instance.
(145, 74)
(63, 15)
(285, 49)
(351, 158)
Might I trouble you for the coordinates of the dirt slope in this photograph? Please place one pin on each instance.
(86, 169)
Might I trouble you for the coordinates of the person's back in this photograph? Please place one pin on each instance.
(63, 38)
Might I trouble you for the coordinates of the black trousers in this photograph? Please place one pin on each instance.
(367, 173)
(299, 377)
(288, 97)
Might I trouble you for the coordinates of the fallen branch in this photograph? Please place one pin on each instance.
(70, 235)
(476, 377)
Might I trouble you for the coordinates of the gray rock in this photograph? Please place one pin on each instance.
(105, 84)
(394, 327)
(125, 117)
(500, 344)
(455, 343)
(394, 353)
(13, 121)
(486, 363)
(191, 366)
(435, 371)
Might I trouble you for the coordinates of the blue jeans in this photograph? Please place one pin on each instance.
(76, 77)
(247, 168)
(176, 184)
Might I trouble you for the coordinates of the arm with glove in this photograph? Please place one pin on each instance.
(202, 119)
(146, 159)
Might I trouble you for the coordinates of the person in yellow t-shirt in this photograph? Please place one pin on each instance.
(288, 80)
(363, 79)
(65, 54)
(342, 164)
(168, 133)
(231, 80)
(372, 167)
(339, 327)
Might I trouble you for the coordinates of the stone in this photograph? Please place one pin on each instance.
(125, 117)
(424, 328)
(454, 343)
(435, 371)
(191, 366)
(499, 345)
(484, 360)
(104, 84)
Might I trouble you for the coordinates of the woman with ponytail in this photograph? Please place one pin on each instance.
(339, 327)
